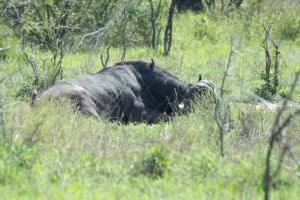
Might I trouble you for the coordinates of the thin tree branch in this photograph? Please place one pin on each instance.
(276, 130)
(32, 64)
(218, 101)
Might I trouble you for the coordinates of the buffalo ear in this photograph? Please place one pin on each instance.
(200, 78)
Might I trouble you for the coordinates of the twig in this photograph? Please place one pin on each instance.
(218, 101)
(268, 58)
(3, 78)
(280, 161)
(2, 105)
(30, 139)
(98, 32)
(293, 157)
(276, 130)
(154, 16)
(4, 49)
(1, 109)
(32, 64)
(101, 31)
(121, 16)
(104, 63)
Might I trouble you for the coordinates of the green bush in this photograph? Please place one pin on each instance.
(27, 86)
(134, 26)
(289, 25)
(154, 165)
(268, 92)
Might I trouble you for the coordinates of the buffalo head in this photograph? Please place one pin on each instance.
(203, 90)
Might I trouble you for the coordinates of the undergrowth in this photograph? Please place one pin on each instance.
(52, 152)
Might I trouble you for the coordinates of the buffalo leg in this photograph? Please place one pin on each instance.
(85, 104)
(89, 106)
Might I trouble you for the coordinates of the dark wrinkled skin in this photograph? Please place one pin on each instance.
(132, 91)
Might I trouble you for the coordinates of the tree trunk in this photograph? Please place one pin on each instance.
(168, 31)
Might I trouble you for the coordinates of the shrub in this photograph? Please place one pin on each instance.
(27, 86)
(289, 25)
(154, 165)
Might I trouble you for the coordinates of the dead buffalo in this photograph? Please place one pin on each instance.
(131, 91)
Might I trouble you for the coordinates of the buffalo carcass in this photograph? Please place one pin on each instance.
(131, 91)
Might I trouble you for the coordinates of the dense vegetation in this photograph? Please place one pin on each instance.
(52, 152)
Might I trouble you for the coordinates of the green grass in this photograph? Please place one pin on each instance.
(52, 152)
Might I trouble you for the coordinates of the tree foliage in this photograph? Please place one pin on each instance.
(44, 21)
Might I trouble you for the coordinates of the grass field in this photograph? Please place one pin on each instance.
(51, 152)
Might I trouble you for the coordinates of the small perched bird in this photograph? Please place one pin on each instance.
(152, 63)
(200, 78)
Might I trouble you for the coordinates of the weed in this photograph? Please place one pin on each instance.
(155, 164)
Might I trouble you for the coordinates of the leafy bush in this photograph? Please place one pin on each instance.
(267, 91)
(154, 165)
(134, 25)
(27, 86)
(207, 28)
(289, 25)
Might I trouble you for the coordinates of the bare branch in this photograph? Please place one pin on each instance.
(32, 64)
(3, 78)
(218, 101)
(122, 16)
(154, 16)
(101, 31)
(104, 63)
(280, 161)
(293, 157)
(31, 138)
(4, 49)
(98, 33)
(268, 57)
(277, 130)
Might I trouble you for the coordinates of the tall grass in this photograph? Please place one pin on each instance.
(52, 152)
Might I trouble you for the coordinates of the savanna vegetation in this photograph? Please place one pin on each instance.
(246, 146)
